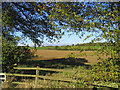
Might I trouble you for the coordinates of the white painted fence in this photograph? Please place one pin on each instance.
(3, 78)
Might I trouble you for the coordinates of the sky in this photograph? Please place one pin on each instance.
(65, 40)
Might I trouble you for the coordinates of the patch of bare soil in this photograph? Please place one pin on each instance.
(57, 54)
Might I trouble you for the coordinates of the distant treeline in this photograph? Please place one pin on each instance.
(84, 44)
(90, 44)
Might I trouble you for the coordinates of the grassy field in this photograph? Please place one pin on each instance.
(73, 48)
(42, 48)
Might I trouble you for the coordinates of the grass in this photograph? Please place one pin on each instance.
(66, 64)
(81, 73)
(78, 65)
(42, 48)
(73, 48)
(29, 82)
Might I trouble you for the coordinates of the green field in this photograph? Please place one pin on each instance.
(86, 48)
(42, 48)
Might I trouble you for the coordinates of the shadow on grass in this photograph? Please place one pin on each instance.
(55, 63)
(62, 63)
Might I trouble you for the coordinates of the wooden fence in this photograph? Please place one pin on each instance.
(45, 77)
(38, 76)
(3, 76)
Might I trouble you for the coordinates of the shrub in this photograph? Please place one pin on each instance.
(12, 54)
(56, 47)
(106, 71)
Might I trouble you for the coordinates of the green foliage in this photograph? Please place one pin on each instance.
(12, 55)
(29, 19)
(103, 24)
(56, 47)
(72, 44)
(81, 48)
(106, 71)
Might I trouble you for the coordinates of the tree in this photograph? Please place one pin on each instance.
(12, 54)
(102, 23)
(32, 21)
(73, 15)
(28, 18)
(78, 17)
(72, 44)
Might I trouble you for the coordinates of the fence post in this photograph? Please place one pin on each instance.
(36, 78)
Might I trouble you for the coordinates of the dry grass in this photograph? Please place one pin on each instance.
(56, 59)
(42, 83)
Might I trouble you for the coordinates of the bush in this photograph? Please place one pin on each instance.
(12, 54)
(56, 47)
(106, 71)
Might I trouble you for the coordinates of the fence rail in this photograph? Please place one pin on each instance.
(39, 76)
(46, 69)
(44, 77)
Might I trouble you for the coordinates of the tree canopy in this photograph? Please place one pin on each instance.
(101, 18)
(27, 18)
(36, 19)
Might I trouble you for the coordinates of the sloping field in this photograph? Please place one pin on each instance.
(57, 54)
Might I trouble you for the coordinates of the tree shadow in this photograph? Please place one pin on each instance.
(60, 63)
